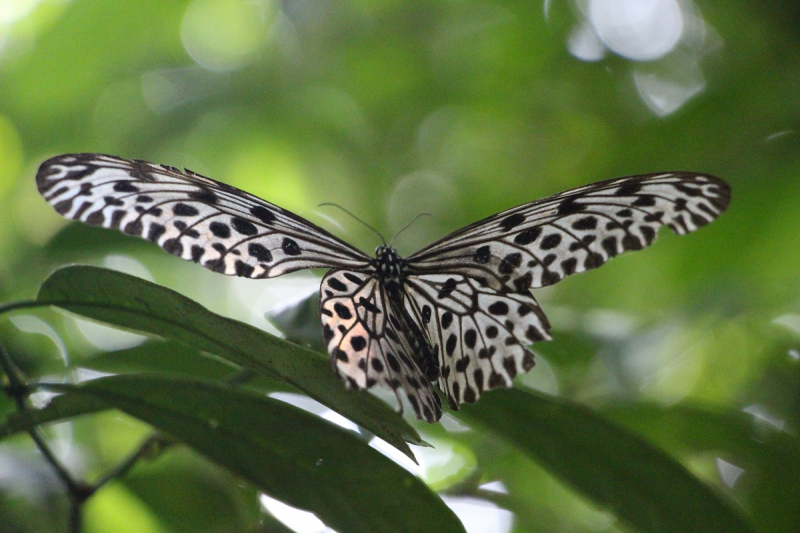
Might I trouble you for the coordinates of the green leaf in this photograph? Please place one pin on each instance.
(161, 357)
(291, 455)
(136, 304)
(769, 457)
(642, 485)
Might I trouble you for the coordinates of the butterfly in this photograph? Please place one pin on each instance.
(458, 313)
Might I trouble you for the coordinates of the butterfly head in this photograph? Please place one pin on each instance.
(387, 263)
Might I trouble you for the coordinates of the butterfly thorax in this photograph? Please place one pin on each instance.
(389, 268)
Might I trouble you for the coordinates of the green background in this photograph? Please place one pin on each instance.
(459, 109)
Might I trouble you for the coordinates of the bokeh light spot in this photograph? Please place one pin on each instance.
(269, 168)
(223, 35)
(584, 44)
(637, 29)
(13, 10)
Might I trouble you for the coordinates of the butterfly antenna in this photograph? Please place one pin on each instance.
(324, 204)
(409, 225)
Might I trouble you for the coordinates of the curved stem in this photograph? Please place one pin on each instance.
(18, 391)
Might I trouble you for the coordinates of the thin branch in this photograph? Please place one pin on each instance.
(153, 443)
(18, 391)
(23, 304)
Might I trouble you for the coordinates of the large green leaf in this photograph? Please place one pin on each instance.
(768, 455)
(291, 455)
(642, 485)
(136, 304)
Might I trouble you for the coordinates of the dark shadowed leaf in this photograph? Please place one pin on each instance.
(616, 469)
(291, 455)
(768, 456)
(136, 304)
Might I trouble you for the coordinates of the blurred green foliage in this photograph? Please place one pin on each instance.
(391, 109)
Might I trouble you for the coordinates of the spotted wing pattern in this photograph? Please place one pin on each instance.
(368, 342)
(196, 218)
(458, 312)
(540, 243)
(483, 334)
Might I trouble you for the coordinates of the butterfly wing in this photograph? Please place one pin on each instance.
(196, 218)
(368, 341)
(482, 335)
(472, 286)
(540, 243)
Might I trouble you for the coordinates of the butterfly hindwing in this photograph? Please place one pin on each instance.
(196, 218)
(540, 243)
(368, 342)
(482, 335)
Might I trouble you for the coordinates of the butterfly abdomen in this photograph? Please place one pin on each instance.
(389, 266)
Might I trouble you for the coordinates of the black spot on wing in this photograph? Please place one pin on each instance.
(218, 229)
(184, 210)
(243, 269)
(510, 262)
(450, 345)
(369, 306)
(527, 236)
(358, 343)
(512, 221)
(95, 218)
(173, 246)
(245, 227)
(570, 206)
(470, 337)
(353, 278)
(585, 223)
(550, 241)
(426, 314)
(343, 311)
(645, 200)
(205, 196)
(259, 252)
(263, 214)
(483, 255)
(447, 288)
(336, 285)
(290, 247)
(155, 231)
(610, 246)
(499, 308)
(125, 186)
(629, 189)
(447, 319)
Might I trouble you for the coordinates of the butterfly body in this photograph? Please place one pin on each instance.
(458, 313)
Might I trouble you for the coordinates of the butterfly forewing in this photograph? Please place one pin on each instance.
(191, 216)
(540, 243)
(368, 343)
(482, 335)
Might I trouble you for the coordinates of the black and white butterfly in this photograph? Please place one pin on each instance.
(458, 312)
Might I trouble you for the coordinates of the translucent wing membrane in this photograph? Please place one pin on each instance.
(482, 334)
(540, 243)
(369, 344)
(196, 218)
